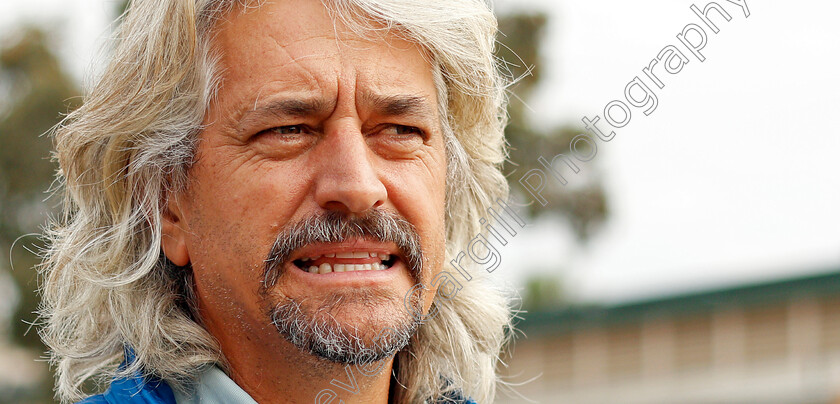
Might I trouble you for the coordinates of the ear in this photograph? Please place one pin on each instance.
(175, 232)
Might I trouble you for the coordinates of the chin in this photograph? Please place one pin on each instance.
(360, 326)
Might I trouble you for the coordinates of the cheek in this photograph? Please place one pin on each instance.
(418, 193)
(236, 212)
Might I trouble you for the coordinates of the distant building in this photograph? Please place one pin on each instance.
(776, 342)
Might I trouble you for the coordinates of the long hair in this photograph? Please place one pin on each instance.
(107, 285)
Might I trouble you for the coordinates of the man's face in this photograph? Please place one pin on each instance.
(312, 124)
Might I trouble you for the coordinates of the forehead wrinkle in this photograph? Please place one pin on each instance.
(293, 105)
(295, 61)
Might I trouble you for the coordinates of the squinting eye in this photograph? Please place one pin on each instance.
(288, 130)
(406, 130)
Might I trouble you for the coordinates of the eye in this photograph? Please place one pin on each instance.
(288, 130)
(286, 138)
(397, 141)
(286, 133)
(404, 130)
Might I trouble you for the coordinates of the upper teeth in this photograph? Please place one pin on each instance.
(326, 268)
(352, 254)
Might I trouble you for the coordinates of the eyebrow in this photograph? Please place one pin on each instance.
(399, 105)
(294, 107)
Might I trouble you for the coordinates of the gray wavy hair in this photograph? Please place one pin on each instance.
(107, 286)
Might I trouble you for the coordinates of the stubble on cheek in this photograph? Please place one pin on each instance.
(226, 267)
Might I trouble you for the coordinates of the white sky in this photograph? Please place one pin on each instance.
(734, 178)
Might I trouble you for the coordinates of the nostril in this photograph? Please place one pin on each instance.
(351, 198)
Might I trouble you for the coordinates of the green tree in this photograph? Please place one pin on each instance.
(583, 202)
(543, 292)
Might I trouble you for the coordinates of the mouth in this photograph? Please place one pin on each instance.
(354, 260)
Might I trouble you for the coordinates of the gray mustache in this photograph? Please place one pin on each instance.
(333, 227)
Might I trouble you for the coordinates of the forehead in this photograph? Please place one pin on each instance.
(296, 47)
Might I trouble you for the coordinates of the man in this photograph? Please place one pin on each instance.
(260, 200)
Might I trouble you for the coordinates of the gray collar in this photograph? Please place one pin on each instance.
(214, 387)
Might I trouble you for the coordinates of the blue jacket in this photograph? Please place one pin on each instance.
(134, 390)
(139, 390)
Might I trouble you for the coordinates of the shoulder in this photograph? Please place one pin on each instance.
(134, 390)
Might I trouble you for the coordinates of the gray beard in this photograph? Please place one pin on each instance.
(320, 334)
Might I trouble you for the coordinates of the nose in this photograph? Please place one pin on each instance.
(347, 180)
